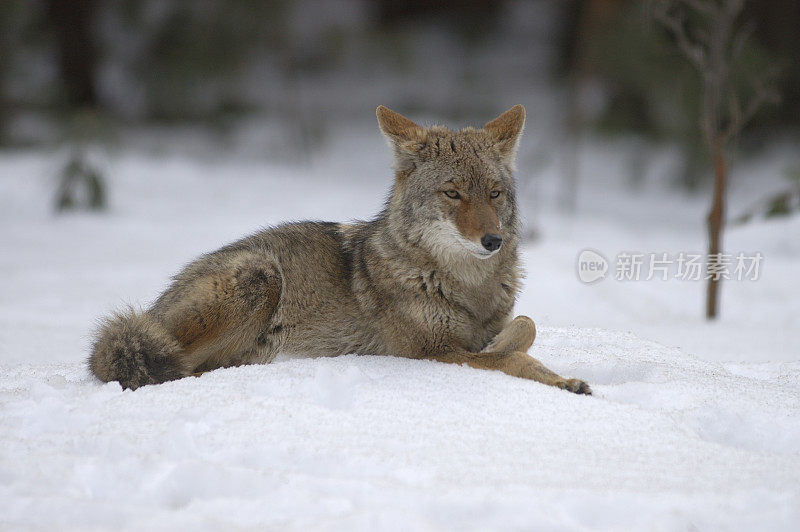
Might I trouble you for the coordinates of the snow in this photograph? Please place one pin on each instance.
(692, 425)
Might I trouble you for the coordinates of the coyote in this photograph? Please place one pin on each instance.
(433, 276)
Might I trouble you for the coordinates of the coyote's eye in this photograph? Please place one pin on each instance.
(452, 194)
(495, 194)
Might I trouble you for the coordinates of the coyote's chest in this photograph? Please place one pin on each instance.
(449, 310)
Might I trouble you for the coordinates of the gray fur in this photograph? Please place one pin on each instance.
(412, 282)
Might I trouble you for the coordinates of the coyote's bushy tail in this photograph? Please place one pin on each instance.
(135, 350)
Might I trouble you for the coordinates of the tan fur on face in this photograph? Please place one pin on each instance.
(476, 218)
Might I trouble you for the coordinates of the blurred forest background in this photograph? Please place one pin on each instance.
(652, 126)
(275, 78)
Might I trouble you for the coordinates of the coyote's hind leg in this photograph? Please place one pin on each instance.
(219, 314)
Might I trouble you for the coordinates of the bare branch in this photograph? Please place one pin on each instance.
(701, 35)
(740, 38)
(700, 6)
(734, 118)
(764, 94)
(733, 7)
(709, 131)
(675, 24)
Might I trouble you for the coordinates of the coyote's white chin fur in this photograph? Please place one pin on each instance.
(448, 237)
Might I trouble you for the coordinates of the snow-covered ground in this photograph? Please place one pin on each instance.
(692, 425)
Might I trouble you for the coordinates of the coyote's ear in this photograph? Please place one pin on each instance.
(406, 137)
(506, 131)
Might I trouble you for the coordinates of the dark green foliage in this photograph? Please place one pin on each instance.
(776, 28)
(193, 52)
(784, 203)
(81, 186)
(12, 26)
(81, 182)
(787, 202)
(646, 83)
(652, 89)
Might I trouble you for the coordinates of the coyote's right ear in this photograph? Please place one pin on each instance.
(405, 137)
(506, 131)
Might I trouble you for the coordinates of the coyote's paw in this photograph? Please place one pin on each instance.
(575, 386)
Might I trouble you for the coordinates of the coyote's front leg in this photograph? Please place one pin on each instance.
(518, 335)
(506, 353)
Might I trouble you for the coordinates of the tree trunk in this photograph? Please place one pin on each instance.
(716, 217)
(77, 59)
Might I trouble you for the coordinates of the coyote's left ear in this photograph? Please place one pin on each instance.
(506, 131)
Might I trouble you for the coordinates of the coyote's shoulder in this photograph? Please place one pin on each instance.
(433, 275)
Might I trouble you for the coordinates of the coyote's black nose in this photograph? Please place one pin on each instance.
(491, 242)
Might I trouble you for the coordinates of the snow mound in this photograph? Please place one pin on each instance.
(667, 441)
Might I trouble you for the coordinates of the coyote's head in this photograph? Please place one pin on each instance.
(454, 190)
